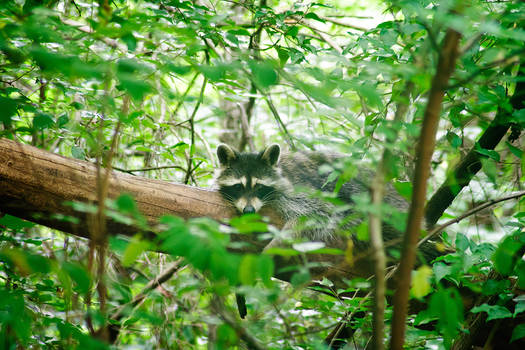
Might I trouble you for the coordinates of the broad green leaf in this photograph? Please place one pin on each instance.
(421, 282)
(7, 109)
(14, 223)
(506, 253)
(447, 307)
(78, 153)
(43, 121)
(493, 311)
(136, 88)
(454, 140)
(263, 74)
(135, 247)
(515, 150)
(300, 278)
(519, 308)
(518, 332)
(247, 269)
(487, 152)
(78, 274)
(441, 270)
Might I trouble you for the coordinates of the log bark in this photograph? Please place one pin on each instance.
(36, 185)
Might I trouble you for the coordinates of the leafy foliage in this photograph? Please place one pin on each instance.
(166, 81)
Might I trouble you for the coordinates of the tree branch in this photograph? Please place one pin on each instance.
(471, 164)
(427, 140)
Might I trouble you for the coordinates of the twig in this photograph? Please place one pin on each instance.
(129, 171)
(376, 238)
(472, 211)
(279, 120)
(154, 283)
(192, 130)
(343, 23)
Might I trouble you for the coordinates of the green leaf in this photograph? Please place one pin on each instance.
(300, 278)
(135, 247)
(493, 311)
(181, 70)
(490, 153)
(78, 153)
(454, 140)
(446, 306)
(519, 308)
(126, 203)
(78, 274)
(249, 223)
(214, 73)
(462, 242)
(312, 15)
(441, 270)
(43, 121)
(8, 109)
(247, 269)
(62, 120)
(490, 169)
(518, 332)
(520, 272)
(514, 150)
(263, 74)
(265, 268)
(130, 41)
(293, 31)
(421, 282)
(14, 223)
(369, 92)
(506, 254)
(362, 233)
(283, 55)
(404, 189)
(136, 88)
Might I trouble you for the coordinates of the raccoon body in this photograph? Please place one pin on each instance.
(252, 181)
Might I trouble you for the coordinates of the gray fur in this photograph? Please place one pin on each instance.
(321, 219)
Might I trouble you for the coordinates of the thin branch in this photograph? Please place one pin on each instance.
(154, 283)
(377, 189)
(131, 171)
(427, 140)
(343, 23)
(279, 120)
(472, 211)
(192, 130)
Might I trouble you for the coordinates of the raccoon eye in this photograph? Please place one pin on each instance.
(262, 190)
(236, 187)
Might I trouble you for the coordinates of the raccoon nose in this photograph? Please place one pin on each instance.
(248, 209)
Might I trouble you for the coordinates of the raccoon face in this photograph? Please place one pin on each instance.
(248, 180)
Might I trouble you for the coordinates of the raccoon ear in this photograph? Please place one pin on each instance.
(226, 154)
(271, 154)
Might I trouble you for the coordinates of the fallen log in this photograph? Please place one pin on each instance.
(36, 185)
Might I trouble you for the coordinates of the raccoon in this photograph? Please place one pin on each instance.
(269, 179)
(252, 181)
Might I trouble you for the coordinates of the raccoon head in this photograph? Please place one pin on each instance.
(249, 181)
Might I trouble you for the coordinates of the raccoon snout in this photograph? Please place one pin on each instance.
(249, 209)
